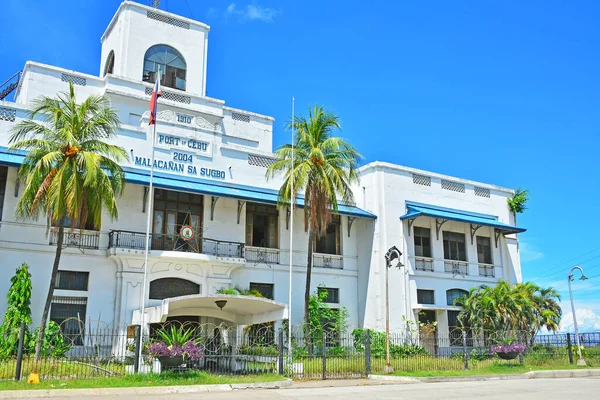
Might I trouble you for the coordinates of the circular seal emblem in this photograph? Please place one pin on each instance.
(186, 232)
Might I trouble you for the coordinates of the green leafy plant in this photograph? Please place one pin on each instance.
(325, 319)
(378, 349)
(231, 292)
(237, 290)
(175, 336)
(54, 343)
(18, 311)
(516, 204)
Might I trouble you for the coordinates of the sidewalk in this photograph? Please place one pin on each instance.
(549, 374)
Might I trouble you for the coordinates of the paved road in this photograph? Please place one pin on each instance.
(531, 389)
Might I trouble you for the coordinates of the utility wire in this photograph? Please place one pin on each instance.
(190, 9)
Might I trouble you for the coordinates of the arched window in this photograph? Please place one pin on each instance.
(110, 63)
(452, 294)
(171, 63)
(166, 288)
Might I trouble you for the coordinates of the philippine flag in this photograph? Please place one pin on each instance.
(154, 100)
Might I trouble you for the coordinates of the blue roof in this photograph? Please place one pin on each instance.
(415, 210)
(195, 185)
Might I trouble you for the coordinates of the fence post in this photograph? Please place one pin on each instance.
(324, 351)
(20, 352)
(570, 347)
(138, 348)
(520, 339)
(281, 351)
(465, 354)
(368, 352)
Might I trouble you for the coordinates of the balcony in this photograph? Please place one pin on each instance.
(456, 267)
(331, 261)
(166, 242)
(76, 238)
(487, 270)
(423, 264)
(262, 255)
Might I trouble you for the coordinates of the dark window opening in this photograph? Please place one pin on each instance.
(455, 246)
(484, 250)
(266, 289)
(3, 178)
(329, 243)
(171, 64)
(171, 211)
(332, 294)
(166, 288)
(425, 296)
(72, 280)
(452, 294)
(110, 63)
(69, 314)
(455, 329)
(262, 225)
(422, 242)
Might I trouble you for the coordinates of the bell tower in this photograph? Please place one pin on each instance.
(140, 39)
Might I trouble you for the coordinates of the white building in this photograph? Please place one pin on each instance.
(210, 172)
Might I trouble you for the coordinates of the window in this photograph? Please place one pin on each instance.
(88, 226)
(266, 289)
(331, 327)
(422, 242)
(454, 246)
(72, 280)
(69, 314)
(171, 64)
(333, 294)
(261, 225)
(110, 63)
(425, 296)
(455, 330)
(166, 288)
(484, 250)
(330, 242)
(171, 211)
(453, 294)
(3, 175)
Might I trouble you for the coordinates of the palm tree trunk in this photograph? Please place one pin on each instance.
(59, 242)
(311, 237)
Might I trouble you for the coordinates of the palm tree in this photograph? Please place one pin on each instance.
(71, 174)
(321, 166)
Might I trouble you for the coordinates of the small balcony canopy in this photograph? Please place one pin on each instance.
(443, 214)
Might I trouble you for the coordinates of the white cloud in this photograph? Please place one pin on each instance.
(252, 12)
(529, 252)
(588, 320)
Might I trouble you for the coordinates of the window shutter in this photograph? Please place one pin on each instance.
(273, 231)
(249, 228)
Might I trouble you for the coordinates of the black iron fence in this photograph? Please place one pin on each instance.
(262, 255)
(77, 238)
(328, 261)
(137, 240)
(317, 353)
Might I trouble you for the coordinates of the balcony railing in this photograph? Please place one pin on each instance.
(328, 261)
(456, 267)
(423, 264)
(137, 240)
(487, 270)
(262, 255)
(76, 238)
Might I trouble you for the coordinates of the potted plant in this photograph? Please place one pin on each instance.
(508, 350)
(174, 347)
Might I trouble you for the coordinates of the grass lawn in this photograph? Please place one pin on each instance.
(164, 379)
(494, 369)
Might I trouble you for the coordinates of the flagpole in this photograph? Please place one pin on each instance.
(293, 201)
(148, 223)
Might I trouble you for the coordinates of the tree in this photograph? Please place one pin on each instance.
(18, 311)
(70, 173)
(516, 204)
(321, 166)
(505, 310)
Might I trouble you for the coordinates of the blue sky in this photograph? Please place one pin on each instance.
(500, 92)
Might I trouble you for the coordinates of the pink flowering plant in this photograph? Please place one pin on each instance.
(176, 342)
(508, 346)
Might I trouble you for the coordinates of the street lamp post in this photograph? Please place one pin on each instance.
(391, 255)
(580, 361)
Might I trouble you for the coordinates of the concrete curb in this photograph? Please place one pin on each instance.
(550, 374)
(124, 391)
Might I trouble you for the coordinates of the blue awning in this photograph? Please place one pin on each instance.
(414, 210)
(194, 185)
